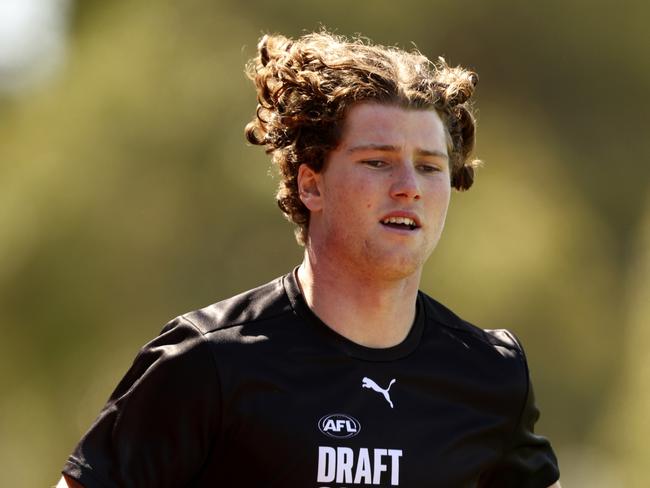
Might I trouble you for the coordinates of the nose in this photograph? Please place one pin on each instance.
(405, 183)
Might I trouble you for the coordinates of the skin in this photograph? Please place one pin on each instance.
(358, 275)
(67, 482)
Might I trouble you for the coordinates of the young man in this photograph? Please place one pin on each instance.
(340, 373)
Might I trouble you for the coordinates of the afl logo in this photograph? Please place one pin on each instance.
(339, 426)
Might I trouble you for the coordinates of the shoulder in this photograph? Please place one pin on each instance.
(257, 305)
(500, 341)
(492, 358)
(188, 343)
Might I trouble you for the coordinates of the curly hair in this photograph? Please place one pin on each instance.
(305, 87)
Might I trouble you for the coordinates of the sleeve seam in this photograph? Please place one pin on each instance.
(522, 359)
(219, 382)
(85, 469)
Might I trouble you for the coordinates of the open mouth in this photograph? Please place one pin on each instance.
(404, 223)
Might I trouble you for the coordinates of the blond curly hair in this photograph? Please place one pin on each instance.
(305, 87)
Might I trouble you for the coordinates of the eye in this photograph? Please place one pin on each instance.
(429, 168)
(374, 163)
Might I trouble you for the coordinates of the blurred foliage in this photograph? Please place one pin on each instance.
(128, 196)
(626, 425)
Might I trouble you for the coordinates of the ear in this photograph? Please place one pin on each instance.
(309, 188)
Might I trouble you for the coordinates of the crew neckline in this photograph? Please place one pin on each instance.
(351, 348)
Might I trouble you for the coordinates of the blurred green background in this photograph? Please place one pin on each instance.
(128, 196)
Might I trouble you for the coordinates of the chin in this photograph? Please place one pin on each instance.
(398, 267)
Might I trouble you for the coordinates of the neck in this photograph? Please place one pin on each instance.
(360, 306)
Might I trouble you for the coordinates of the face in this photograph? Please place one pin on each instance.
(379, 205)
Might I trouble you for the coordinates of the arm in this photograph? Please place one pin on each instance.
(527, 458)
(67, 482)
(168, 398)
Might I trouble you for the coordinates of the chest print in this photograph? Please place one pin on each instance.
(368, 383)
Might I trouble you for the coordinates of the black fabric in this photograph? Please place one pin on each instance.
(257, 391)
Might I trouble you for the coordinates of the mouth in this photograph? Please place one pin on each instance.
(402, 223)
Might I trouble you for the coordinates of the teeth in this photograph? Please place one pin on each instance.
(399, 220)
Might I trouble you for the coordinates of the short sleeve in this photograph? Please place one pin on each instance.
(159, 425)
(528, 459)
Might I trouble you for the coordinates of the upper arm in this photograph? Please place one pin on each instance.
(526, 456)
(158, 426)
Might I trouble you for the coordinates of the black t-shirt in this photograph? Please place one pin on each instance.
(256, 391)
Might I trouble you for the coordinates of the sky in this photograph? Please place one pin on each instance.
(32, 41)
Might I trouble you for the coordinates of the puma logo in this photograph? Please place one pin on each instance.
(368, 383)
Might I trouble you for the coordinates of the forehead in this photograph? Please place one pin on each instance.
(370, 123)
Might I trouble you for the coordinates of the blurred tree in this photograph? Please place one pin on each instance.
(627, 429)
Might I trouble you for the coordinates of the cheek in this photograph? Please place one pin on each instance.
(358, 194)
(354, 199)
(363, 193)
(439, 201)
(444, 196)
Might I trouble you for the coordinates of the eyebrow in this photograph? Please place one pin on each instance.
(391, 148)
